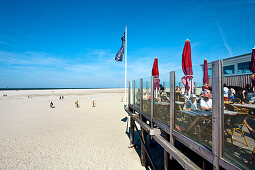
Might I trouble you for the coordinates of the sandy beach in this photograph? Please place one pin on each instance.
(35, 136)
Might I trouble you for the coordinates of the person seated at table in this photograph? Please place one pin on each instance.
(191, 103)
(145, 96)
(201, 96)
(182, 91)
(177, 89)
(245, 94)
(206, 102)
(225, 92)
(231, 94)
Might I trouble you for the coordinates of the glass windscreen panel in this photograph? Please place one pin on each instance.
(147, 95)
(137, 93)
(239, 107)
(228, 70)
(193, 106)
(244, 67)
(162, 98)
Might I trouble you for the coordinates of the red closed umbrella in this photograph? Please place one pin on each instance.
(155, 73)
(205, 77)
(187, 80)
(253, 67)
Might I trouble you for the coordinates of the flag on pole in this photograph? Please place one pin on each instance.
(120, 54)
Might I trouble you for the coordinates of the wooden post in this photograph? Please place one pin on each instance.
(133, 93)
(172, 108)
(147, 87)
(164, 84)
(195, 87)
(217, 118)
(152, 100)
(166, 154)
(132, 119)
(128, 92)
(152, 106)
(143, 132)
(141, 96)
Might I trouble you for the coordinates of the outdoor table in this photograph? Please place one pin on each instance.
(228, 102)
(196, 115)
(249, 106)
(181, 103)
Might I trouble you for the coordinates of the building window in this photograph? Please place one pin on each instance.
(244, 67)
(210, 72)
(228, 70)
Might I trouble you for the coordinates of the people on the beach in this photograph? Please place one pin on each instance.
(93, 104)
(51, 105)
(77, 104)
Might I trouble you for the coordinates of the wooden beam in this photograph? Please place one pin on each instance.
(185, 162)
(228, 165)
(196, 147)
(172, 108)
(217, 118)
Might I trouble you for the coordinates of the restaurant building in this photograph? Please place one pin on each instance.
(236, 70)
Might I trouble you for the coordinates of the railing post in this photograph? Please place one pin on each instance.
(133, 93)
(164, 85)
(131, 118)
(143, 132)
(152, 100)
(217, 117)
(147, 87)
(141, 96)
(195, 87)
(128, 92)
(172, 106)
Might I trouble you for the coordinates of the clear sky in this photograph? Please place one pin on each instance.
(47, 43)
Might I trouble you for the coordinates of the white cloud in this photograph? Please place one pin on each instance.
(224, 40)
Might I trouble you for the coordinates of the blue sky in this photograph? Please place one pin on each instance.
(73, 43)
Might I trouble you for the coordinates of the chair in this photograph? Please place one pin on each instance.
(236, 101)
(250, 123)
(236, 125)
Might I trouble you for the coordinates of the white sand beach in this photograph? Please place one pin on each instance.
(35, 136)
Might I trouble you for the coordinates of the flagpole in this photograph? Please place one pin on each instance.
(125, 65)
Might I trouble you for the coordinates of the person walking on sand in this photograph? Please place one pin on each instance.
(93, 104)
(77, 104)
(51, 105)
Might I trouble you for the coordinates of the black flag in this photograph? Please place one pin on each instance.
(120, 54)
